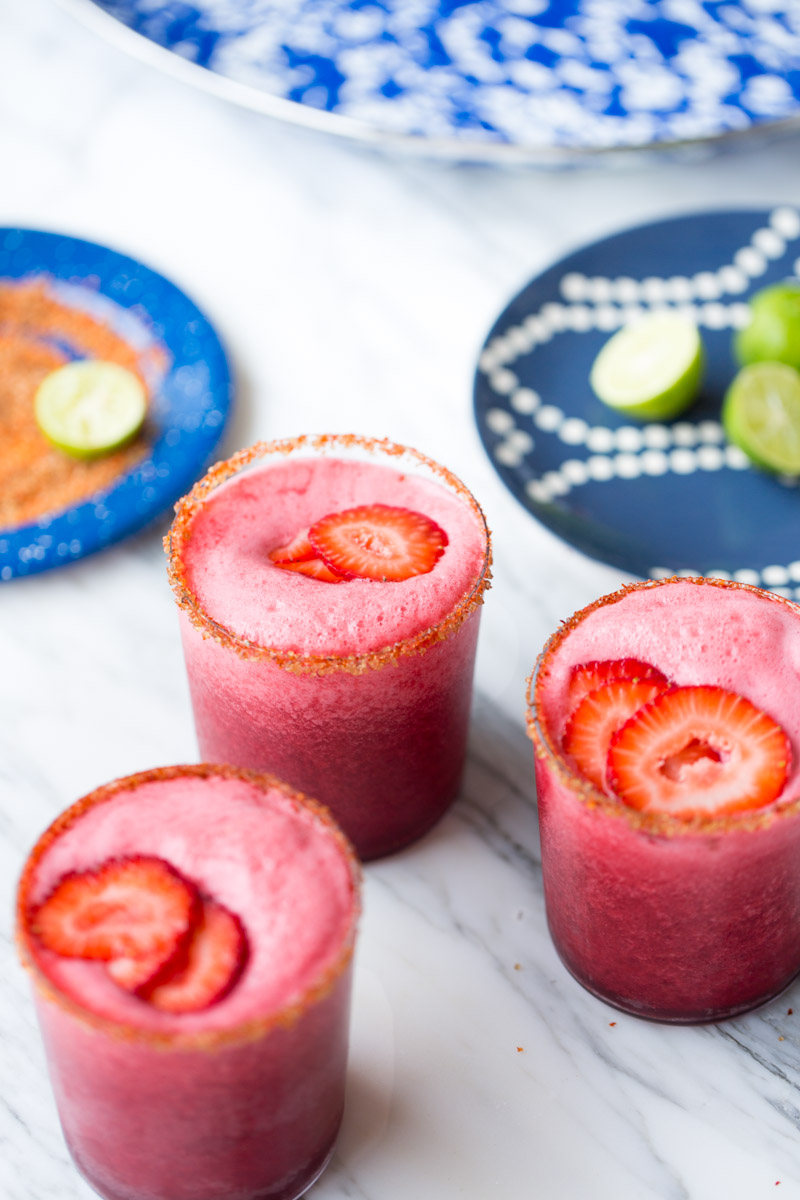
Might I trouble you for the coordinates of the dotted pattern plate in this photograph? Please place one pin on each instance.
(551, 77)
(189, 409)
(651, 499)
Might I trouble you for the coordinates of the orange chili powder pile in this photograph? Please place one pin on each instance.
(35, 477)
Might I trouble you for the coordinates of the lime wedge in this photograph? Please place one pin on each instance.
(761, 415)
(773, 332)
(650, 369)
(90, 408)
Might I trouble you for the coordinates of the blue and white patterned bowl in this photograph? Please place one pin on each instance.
(651, 499)
(189, 409)
(542, 79)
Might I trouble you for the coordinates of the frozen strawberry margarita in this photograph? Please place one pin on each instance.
(329, 592)
(190, 933)
(666, 732)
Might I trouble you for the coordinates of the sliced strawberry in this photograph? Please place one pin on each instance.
(587, 677)
(213, 960)
(378, 541)
(134, 974)
(138, 907)
(597, 718)
(697, 751)
(300, 556)
(299, 549)
(314, 568)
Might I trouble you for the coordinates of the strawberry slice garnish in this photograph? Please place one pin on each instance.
(597, 718)
(587, 677)
(378, 541)
(695, 751)
(209, 966)
(314, 568)
(300, 556)
(137, 907)
(299, 549)
(136, 974)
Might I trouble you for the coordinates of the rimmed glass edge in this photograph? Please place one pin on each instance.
(292, 660)
(210, 1040)
(656, 824)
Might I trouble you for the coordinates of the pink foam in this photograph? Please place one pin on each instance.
(742, 641)
(257, 853)
(229, 570)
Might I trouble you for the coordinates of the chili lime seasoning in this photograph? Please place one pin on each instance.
(38, 333)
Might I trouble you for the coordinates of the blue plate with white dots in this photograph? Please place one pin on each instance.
(190, 382)
(653, 499)
(497, 80)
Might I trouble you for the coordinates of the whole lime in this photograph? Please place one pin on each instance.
(773, 332)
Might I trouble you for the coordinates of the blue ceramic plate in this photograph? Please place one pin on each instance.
(541, 79)
(191, 392)
(650, 499)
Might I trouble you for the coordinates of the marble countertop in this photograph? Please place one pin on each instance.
(353, 292)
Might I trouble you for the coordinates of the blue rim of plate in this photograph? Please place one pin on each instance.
(652, 499)
(190, 407)
(524, 81)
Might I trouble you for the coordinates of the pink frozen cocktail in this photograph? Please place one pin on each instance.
(190, 932)
(329, 592)
(666, 730)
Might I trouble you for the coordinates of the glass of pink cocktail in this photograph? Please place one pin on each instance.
(353, 682)
(665, 726)
(190, 932)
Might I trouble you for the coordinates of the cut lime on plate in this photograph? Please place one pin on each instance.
(761, 415)
(89, 408)
(773, 332)
(651, 369)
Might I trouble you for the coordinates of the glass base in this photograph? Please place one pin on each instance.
(666, 1017)
(274, 1192)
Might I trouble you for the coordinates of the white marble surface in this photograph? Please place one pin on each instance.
(354, 292)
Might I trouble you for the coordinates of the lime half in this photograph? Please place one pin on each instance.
(90, 408)
(773, 332)
(651, 369)
(761, 415)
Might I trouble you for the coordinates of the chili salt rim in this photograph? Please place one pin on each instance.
(356, 664)
(662, 824)
(246, 1031)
